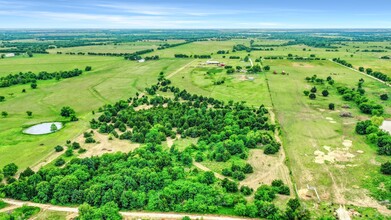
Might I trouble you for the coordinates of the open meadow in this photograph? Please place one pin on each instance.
(173, 89)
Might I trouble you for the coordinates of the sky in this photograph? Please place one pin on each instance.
(195, 14)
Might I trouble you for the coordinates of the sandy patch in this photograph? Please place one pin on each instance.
(266, 169)
(332, 156)
(360, 151)
(329, 118)
(347, 143)
(321, 109)
(104, 145)
(242, 77)
(143, 107)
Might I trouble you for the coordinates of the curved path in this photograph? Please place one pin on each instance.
(158, 215)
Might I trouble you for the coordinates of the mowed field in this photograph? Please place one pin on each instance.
(130, 47)
(110, 80)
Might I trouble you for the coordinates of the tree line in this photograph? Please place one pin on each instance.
(30, 77)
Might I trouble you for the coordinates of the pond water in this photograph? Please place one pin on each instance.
(386, 126)
(43, 128)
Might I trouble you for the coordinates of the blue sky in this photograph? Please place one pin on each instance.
(195, 14)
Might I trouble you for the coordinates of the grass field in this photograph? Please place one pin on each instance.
(111, 79)
(307, 126)
(116, 48)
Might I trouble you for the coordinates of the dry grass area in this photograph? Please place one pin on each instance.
(104, 145)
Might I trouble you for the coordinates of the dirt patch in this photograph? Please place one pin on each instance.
(347, 143)
(332, 156)
(242, 77)
(304, 65)
(104, 145)
(143, 107)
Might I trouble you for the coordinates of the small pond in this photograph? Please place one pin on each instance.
(386, 126)
(43, 128)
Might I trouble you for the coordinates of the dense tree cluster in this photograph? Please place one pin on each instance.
(194, 56)
(380, 138)
(378, 75)
(358, 96)
(166, 45)
(29, 77)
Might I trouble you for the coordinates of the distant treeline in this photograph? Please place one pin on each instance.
(165, 46)
(194, 56)
(374, 51)
(29, 77)
(136, 55)
(241, 47)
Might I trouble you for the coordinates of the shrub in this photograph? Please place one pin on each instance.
(245, 190)
(306, 92)
(59, 162)
(385, 168)
(331, 106)
(312, 96)
(239, 175)
(313, 89)
(75, 145)
(81, 150)
(90, 140)
(384, 97)
(69, 152)
(58, 148)
(325, 93)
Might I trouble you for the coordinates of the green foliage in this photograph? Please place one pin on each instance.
(10, 170)
(385, 168)
(306, 92)
(58, 148)
(29, 113)
(312, 96)
(67, 111)
(33, 85)
(384, 97)
(331, 106)
(26, 173)
(245, 190)
(325, 93)
(109, 211)
(59, 162)
(22, 213)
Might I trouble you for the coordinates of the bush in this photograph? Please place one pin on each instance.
(69, 152)
(90, 140)
(384, 97)
(81, 150)
(58, 148)
(239, 175)
(59, 162)
(10, 170)
(313, 89)
(226, 172)
(306, 92)
(312, 96)
(277, 183)
(75, 145)
(34, 85)
(88, 68)
(331, 106)
(325, 93)
(385, 168)
(245, 190)
(271, 149)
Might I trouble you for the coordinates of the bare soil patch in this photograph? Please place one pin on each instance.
(104, 145)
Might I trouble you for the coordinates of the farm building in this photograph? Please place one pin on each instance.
(212, 62)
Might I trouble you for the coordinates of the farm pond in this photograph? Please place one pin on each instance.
(44, 128)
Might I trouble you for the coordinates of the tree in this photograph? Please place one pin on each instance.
(58, 148)
(34, 85)
(59, 162)
(306, 92)
(10, 170)
(313, 89)
(384, 97)
(266, 68)
(312, 96)
(331, 106)
(67, 111)
(385, 168)
(4, 114)
(88, 68)
(361, 69)
(29, 113)
(2, 98)
(325, 93)
(27, 172)
(53, 128)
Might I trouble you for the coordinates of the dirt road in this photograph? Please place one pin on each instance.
(150, 215)
(180, 69)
